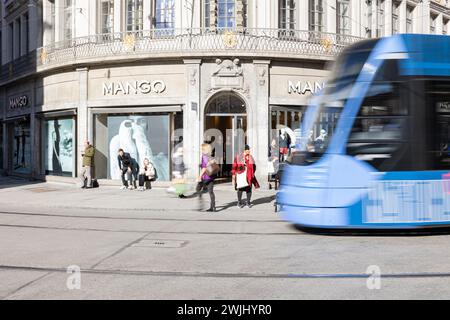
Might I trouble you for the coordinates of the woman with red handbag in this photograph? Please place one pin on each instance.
(243, 176)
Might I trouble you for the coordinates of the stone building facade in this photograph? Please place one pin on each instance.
(150, 76)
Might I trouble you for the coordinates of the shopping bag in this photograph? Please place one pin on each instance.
(241, 180)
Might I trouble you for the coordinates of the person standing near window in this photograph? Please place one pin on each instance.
(126, 169)
(88, 163)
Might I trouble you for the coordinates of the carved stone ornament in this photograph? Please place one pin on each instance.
(228, 74)
(193, 77)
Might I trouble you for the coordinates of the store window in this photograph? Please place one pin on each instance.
(141, 135)
(165, 14)
(1, 146)
(58, 141)
(134, 15)
(316, 14)
(285, 129)
(21, 141)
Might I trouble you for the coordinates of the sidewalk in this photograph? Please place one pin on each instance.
(20, 194)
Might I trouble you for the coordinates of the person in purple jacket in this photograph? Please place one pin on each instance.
(204, 181)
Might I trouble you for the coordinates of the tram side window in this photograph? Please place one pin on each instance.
(439, 95)
(379, 131)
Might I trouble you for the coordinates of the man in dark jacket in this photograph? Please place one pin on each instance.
(126, 168)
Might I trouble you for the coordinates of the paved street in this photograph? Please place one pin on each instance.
(133, 245)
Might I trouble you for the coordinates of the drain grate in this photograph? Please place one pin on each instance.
(150, 243)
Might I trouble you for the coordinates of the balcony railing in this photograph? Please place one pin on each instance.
(194, 42)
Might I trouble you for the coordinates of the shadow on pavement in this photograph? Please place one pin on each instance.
(256, 202)
(12, 182)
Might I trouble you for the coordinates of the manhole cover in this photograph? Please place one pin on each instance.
(149, 243)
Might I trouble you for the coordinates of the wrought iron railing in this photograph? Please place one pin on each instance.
(194, 42)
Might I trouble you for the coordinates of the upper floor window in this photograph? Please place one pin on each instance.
(432, 24)
(207, 13)
(316, 12)
(380, 18)
(134, 15)
(106, 16)
(165, 14)
(226, 16)
(26, 22)
(445, 26)
(343, 17)
(409, 19)
(287, 14)
(368, 18)
(68, 19)
(395, 18)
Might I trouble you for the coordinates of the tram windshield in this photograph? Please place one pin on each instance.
(317, 133)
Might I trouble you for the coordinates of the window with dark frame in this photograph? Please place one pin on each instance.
(134, 15)
(316, 15)
(287, 10)
(106, 16)
(165, 14)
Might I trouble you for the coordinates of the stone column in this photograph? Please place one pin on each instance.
(259, 134)
(4, 159)
(82, 121)
(191, 118)
(35, 134)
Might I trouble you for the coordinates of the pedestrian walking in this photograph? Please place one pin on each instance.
(205, 180)
(243, 176)
(126, 169)
(178, 171)
(87, 166)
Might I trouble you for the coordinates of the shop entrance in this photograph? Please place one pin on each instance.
(225, 129)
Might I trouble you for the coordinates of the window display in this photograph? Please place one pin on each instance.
(58, 147)
(21, 147)
(142, 136)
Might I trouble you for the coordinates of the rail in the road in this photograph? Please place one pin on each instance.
(233, 274)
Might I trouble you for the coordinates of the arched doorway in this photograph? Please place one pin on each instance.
(225, 129)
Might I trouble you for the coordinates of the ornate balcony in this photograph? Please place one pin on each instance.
(168, 43)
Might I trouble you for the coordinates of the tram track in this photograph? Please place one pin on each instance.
(154, 232)
(136, 218)
(143, 219)
(249, 275)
